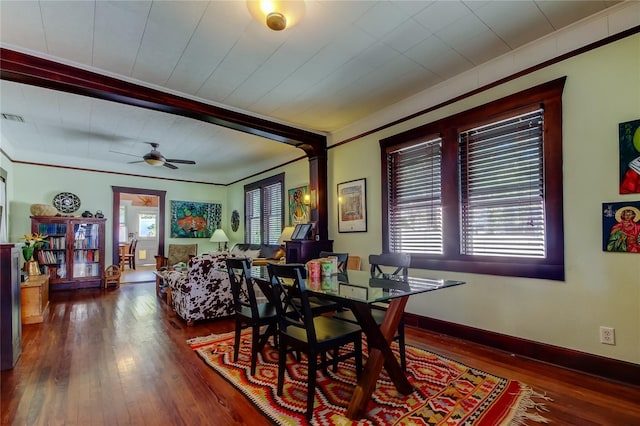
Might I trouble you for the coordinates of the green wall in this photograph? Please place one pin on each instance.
(35, 184)
(602, 90)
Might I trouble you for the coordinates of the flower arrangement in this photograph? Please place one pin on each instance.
(32, 241)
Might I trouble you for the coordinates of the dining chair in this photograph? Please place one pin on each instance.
(390, 263)
(303, 332)
(130, 257)
(248, 312)
(353, 264)
(343, 259)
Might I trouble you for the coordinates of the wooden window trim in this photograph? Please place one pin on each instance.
(549, 96)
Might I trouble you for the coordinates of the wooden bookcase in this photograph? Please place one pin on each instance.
(74, 255)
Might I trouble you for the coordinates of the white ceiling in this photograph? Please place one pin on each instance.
(343, 61)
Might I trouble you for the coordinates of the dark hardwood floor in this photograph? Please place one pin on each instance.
(119, 357)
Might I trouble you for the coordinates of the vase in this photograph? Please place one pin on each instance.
(32, 267)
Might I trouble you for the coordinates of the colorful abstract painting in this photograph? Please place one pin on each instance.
(298, 210)
(194, 220)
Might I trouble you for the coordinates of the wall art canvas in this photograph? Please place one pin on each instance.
(352, 206)
(298, 210)
(629, 137)
(621, 227)
(194, 220)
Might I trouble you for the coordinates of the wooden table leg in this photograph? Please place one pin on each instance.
(380, 354)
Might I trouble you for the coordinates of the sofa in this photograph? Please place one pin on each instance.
(260, 254)
(203, 290)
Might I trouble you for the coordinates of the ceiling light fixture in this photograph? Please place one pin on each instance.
(276, 15)
(154, 158)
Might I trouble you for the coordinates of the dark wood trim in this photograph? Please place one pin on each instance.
(547, 95)
(33, 70)
(27, 69)
(115, 223)
(30, 163)
(608, 368)
(568, 55)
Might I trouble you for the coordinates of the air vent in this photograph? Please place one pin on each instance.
(13, 117)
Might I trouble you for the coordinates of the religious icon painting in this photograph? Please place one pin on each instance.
(629, 138)
(621, 227)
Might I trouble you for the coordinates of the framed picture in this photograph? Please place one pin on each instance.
(629, 139)
(352, 206)
(298, 210)
(621, 227)
(194, 220)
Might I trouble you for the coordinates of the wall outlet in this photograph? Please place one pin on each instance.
(607, 335)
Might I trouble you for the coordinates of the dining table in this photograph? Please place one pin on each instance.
(360, 291)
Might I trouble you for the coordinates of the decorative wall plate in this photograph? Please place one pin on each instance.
(235, 220)
(66, 202)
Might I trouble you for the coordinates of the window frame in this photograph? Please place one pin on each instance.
(260, 185)
(549, 97)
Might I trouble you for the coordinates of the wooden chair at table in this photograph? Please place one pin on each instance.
(112, 276)
(302, 331)
(249, 312)
(353, 263)
(130, 258)
(398, 264)
(122, 250)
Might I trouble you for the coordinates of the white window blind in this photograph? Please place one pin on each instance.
(415, 198)
(272, 213)
(264, 210)
(502, 188)
(252, 216)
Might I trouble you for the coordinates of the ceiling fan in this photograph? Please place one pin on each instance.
(155, 158)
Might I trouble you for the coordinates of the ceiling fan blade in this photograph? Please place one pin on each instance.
(125, 153)
(172, 160)
(171, 166)
(134, 162)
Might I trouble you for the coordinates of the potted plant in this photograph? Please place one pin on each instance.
(31, 243)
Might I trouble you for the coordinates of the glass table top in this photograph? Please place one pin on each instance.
(362, 286)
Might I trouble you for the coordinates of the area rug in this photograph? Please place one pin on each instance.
(446, 392)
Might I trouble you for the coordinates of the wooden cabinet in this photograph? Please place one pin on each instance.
(35, 298)
(10, 322)
(74, 255)
(302, 251)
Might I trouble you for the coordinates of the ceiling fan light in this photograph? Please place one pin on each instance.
(154, 161)
(277, 15)
(276, 21)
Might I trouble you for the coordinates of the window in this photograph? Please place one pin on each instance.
(147, 225)
(264, 210)
(122, 230)
(480, 191)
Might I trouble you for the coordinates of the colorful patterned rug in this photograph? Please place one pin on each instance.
(446, 392)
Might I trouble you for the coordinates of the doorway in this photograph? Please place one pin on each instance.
(141, 215)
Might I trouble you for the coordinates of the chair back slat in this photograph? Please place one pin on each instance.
(399, 261)
(294, 309)
(242, 285)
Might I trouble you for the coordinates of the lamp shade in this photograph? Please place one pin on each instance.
(286, 234)
(219, 237)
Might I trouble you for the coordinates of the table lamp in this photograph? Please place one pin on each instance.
(286, 234)
(219, 237)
